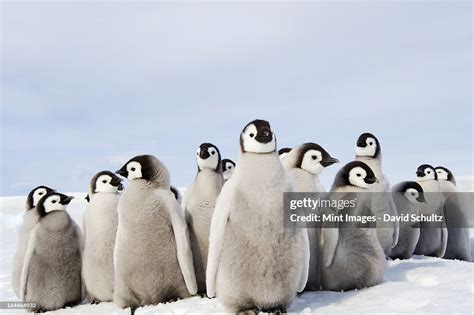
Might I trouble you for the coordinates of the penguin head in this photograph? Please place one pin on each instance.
(208, 157)
(313, 158)
(257, 137)
(35, 195)
(105, 182)
(52, 201)
(368, 145)
(227, 168)
(147, 168)
(355, 173)
(426, 172)
(283, 152)
(413, 192)
(445, 174)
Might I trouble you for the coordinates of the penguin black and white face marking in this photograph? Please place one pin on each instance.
(426, 172)
(413, 192)
(283, 152)
(137, 168)
(313, 158)
(208, 156)
(367, 145)
(355, 173)
(106, 182)
(35, 195)
(257, 137)
(52, 201)
(228, 167)
(445, 174)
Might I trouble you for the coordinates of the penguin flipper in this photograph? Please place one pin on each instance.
(396, 228)
(183, 245)
(216, 237)
(305, 273)
(444, 242)
(330, 239)
(29, 257)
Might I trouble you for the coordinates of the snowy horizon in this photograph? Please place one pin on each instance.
(86, 86)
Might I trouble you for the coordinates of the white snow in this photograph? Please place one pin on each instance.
(417, 285)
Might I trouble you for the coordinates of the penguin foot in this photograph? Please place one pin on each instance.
(94, 301)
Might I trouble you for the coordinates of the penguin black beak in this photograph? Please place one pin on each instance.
(361, 143)
(67, 200)
(420, 173)
(120, 187)
(264, 136)
(370, 180)
(329, 161)
(203, 154)
(421, 198)
(122, 172)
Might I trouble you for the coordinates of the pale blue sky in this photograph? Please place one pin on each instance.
(86, 86)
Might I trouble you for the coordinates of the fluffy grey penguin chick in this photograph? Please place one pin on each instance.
(305, 163)
(30, 217)
(100, 228)
(152, 255)
(433, 235)
(407, 197)
(254, 263)
(199, 202)
(368, 150)
(352, 255)
(456, 208)
(51, 275)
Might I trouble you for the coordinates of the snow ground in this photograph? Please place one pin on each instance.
(417, 285)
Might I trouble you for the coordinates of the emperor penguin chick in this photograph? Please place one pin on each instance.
(368, 150)
(305, 163)
(228, 167)
(152, 255)
(407, 197)
(100, 228)
(199, 201)
(455, 213)
(51, 275)
(433, 235)
(30, 218)
(254, 263)
(352, 255)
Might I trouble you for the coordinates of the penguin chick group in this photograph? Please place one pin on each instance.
(225, 237)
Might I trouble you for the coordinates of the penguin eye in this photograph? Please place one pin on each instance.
(370, 143)
(412, 193)
(40, 193)
(133, 169)
(428, 172)
(252, 135)
(229, 167)
(314, 157)
(54, 201)
(104, 181)
(358, 175)
(213, 152)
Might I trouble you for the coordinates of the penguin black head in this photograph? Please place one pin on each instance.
(35, 195)
(52, 201)
(257, 137)
(368, 145)
(355, 173)
(313, 158)
(283, 152)
(147, 168)
(208, 157)
(413, 192)
(106, 182)
(444, 174)
(426, 172)
(227, 168)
